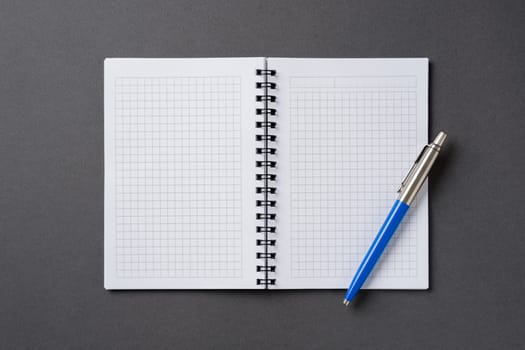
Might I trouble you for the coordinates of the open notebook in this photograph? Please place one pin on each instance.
(260, 172)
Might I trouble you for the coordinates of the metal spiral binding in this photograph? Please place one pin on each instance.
(266, 188)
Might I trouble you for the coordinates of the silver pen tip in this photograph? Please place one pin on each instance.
(440, 139)
(346, 302)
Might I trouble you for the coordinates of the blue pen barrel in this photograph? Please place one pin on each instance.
(392, 221)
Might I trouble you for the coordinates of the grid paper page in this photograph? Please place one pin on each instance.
(350, 139)
(178, 181)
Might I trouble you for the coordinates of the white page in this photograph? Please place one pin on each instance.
(349, 130)
(179, 173)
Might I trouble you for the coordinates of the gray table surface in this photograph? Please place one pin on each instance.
(51, 156)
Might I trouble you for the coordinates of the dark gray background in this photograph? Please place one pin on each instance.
(51, 152)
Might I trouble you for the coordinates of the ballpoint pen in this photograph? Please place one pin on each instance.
(407, 192)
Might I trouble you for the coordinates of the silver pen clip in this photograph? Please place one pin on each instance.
(411, 171)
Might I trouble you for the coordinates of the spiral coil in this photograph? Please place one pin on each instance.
(266, 179)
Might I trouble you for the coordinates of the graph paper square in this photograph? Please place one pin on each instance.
(349, 146)
(178, 177)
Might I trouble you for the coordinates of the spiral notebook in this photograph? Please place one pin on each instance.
(260, 173)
